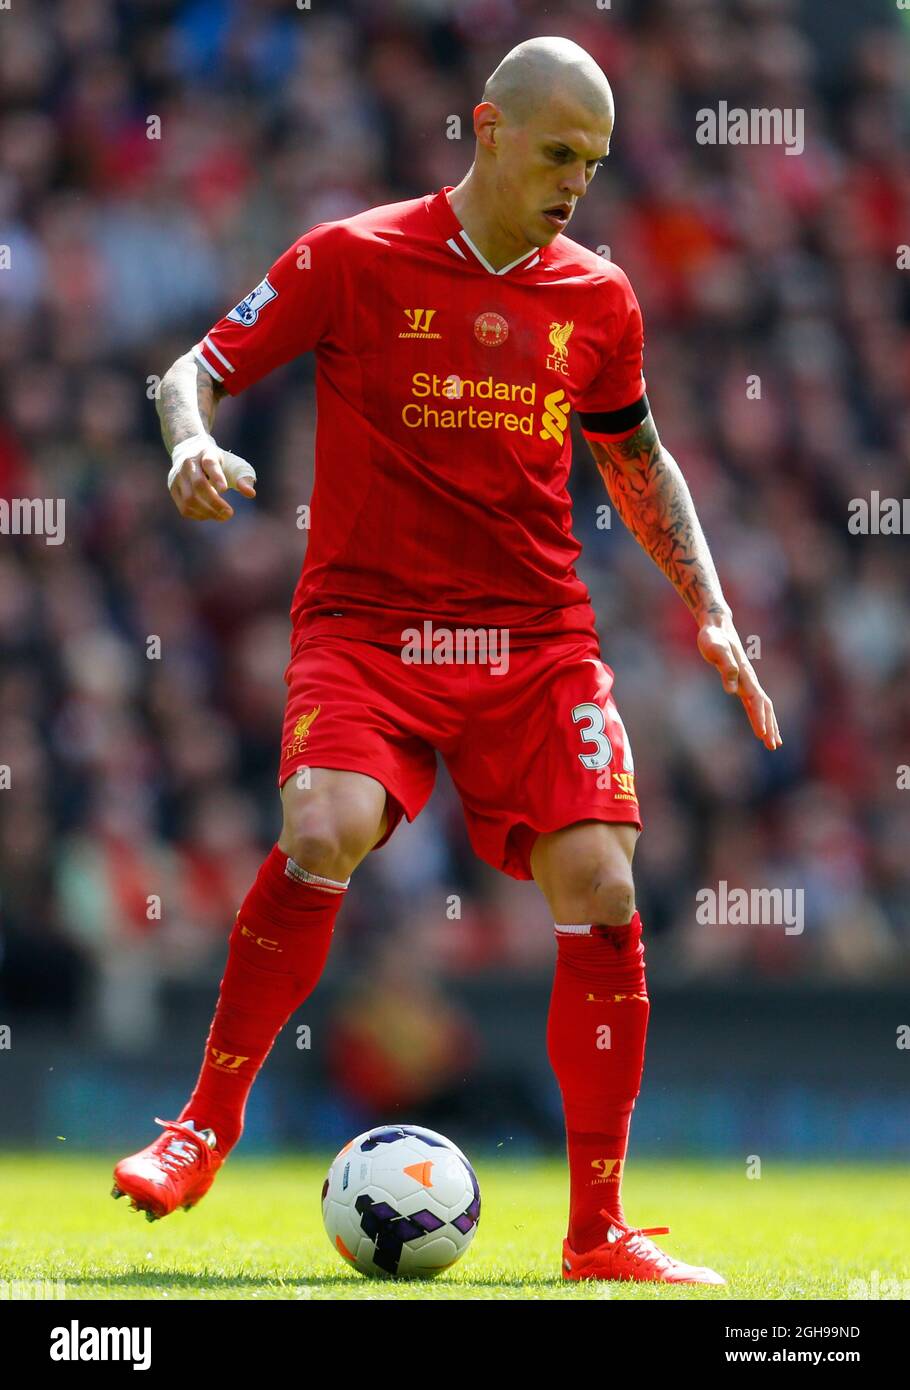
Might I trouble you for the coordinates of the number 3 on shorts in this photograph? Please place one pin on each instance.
(594, 734)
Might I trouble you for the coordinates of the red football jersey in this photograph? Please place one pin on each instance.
(443, 394)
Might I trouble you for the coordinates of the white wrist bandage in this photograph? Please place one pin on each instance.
(235, 468)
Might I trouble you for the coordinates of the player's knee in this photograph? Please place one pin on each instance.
(326, 843)
(332, 820)
(603, 896)
(614, 901)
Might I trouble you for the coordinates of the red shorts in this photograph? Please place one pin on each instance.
(533, 749)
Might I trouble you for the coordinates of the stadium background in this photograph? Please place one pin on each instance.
(132, 777)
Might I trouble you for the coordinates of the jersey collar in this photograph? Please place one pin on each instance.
(461, 245)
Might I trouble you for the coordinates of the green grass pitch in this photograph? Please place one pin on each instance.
(798, 1232)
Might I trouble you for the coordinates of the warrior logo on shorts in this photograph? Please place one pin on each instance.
(625, 786)
(247, 311)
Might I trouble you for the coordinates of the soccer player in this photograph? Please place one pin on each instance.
(454, 334)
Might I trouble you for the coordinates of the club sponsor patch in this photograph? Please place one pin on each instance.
(247, 311)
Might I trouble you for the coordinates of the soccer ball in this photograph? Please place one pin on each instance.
(400, 1201)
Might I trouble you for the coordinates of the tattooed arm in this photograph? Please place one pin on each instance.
(186, 401)
(648, 490)
(186, 406)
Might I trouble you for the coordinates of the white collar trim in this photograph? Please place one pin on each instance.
(532, 256)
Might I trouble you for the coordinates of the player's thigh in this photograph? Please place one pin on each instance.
(353, 756)
(331, 819)
(585, 871)
(548, 751)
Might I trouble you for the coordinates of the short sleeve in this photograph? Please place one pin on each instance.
(614, 403)
(285, 315)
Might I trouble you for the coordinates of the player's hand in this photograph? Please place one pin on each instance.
(720, 646)
(199, 482)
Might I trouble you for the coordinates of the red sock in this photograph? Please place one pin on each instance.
(596, 1042)
(276, 953)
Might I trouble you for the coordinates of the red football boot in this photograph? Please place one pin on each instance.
(628, 1254)
(175, 1170)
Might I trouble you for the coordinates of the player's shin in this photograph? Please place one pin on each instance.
(596, 1033)
(276, 954)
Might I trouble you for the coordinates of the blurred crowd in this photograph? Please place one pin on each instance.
(141, 795)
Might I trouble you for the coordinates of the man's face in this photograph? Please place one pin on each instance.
(545, 165)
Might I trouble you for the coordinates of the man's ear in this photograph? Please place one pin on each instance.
(486, 119)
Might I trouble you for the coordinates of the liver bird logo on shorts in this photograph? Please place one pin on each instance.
(302, 727)
(301, 733)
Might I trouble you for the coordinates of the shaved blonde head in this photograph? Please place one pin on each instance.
(539, 70)
(542, 128)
